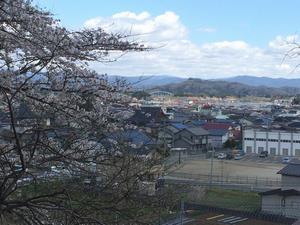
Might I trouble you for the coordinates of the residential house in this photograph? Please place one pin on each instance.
(218, 137)
(151, 118)
(221, 132)
(290, 176)
(136, 141)
(286, 200)
(195, 139)
(166, 135)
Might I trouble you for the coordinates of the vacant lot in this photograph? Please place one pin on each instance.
(229, 168)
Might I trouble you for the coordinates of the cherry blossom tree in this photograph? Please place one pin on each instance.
(58, 162)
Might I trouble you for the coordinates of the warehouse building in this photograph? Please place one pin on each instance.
(276, 142)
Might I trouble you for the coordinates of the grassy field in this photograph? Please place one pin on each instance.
(232, 199)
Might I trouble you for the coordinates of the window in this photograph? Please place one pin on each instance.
(248, 139)
(261, 139)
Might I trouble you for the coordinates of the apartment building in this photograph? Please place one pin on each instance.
(276, 142)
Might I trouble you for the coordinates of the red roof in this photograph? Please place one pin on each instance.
(206, 106)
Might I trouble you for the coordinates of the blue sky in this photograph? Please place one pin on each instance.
(256, 23)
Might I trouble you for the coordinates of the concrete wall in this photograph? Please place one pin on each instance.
(271, 204)
(216, 141)
(288, 206)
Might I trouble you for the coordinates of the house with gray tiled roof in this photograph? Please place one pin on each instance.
(285, 200)
(194, 139)
(290, 176)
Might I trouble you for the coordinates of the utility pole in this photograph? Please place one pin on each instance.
(181, 211)
(211, 166)
(222, 170)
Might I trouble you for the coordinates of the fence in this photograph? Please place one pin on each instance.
(240, 182)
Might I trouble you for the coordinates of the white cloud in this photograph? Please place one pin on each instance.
(286, 43)
(162, 28)
(176, 54)
(131, 15)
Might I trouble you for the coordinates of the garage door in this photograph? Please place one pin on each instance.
(260, 149)
(272, 151)
(285, 152)
(297, 152)
(248, 149)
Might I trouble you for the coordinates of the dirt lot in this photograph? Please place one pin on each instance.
(229, 168)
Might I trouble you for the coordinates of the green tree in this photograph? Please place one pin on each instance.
(140, 94)
(230, 143)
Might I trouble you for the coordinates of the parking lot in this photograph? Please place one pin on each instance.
(219, 219)
(248, 166)
(270, 159)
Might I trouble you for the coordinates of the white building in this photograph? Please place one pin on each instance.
(276, 142)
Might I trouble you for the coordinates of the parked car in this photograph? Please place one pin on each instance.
(286, 160)
(263, 154)
(221, 155)
(229, 156)
(238, 157)
(54, 169)
(19, 168)
(87, 181)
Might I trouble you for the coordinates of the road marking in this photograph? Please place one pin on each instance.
(237, 221)
(214, 217)
(232, 219)
(222, 220)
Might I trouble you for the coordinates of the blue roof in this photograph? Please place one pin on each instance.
(179, 126)
(133, 136)
(198, 122)
(228, 121)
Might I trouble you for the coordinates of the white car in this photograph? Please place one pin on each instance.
(221, 155)
(286, 160)
(238, 156)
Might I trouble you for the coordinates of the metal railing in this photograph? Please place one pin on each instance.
(254, 182)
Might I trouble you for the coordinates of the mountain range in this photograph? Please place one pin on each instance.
(236, 86)
(197, 87)
(145, 82)
(264, 81)
(155, 80)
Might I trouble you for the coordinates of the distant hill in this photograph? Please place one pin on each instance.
(264, 81)
(194, 86)
(145, 82)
